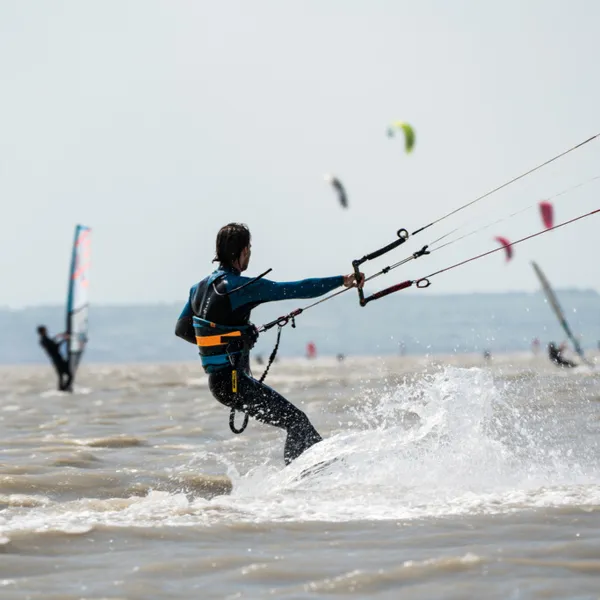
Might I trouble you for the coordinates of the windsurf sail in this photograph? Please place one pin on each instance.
(77, 299)
(553, 300)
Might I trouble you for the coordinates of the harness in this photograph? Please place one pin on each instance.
(235, 343)
(216, 341)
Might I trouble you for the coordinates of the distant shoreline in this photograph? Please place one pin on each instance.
(179, 304)
(326, 358)
(422, 324)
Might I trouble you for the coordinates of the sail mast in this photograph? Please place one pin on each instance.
(77, 297)
(553, 300)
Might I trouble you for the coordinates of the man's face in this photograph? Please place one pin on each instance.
(245, 258)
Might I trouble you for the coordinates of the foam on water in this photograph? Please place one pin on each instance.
(471, 451)
(454, 442)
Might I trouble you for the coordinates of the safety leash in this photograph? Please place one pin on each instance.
(234, 386)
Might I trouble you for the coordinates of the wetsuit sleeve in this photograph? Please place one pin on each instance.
(265, 290)
(59, 340)
(184, 327)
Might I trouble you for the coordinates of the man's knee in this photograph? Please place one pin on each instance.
(302, 420)
(301, 425)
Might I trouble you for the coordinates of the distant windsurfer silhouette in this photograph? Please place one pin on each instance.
(61, 365)
(556, 356)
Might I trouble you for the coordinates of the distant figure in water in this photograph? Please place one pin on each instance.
(535, 346)
(311, 350)
(487, 355)
(61, 364)
(259, 359)
(555, 355)
(340, 357)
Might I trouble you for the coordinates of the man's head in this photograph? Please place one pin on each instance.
(233, 246)
(42, 330)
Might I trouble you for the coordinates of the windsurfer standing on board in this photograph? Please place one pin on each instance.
(556, 356)
(61, 365)
(216, 317)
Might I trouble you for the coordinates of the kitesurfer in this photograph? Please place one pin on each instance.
(216, 317)
(61, 365)
(556, 356)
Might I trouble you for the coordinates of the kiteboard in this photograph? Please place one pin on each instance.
(317, 468)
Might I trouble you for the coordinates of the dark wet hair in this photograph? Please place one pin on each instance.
(231, 240)
(42, 330)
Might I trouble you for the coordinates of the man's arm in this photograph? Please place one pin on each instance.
(184, 327)
(60, 339)
(265, 290)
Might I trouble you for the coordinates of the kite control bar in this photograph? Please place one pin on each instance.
(424, 282)
(402, 237)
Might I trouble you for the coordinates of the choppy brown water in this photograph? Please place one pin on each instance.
(457, 479)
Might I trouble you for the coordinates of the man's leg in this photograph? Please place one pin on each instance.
(68, 381)
(268, 406)
(58, 364)
(563, 362)
(65, 377)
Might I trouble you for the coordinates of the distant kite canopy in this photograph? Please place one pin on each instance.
(547, 212)
(507, 246)
(409, 134)
(339, 188)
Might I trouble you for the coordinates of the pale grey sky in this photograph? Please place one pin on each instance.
(155, 123)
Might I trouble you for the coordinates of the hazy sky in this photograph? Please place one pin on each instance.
(155, 123)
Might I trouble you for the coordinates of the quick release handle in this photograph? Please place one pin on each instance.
(282, 321)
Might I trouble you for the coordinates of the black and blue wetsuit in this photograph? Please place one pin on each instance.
(61, 365)
(216, 318)
(555, 355)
